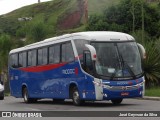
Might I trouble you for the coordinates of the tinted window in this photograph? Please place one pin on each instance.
(54, 54)
(29, 58)
(42, 56)
(32, 58)
(40, 60)
(14, 60)
(45, 56)
(67, 52)
(22, 60)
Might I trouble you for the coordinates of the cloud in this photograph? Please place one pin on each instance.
(10, 5)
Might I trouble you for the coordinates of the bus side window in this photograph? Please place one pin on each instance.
(42, 56)
(29, 58)
(32, 58)
(67, 52)
(22, 59)
(24, 63)
(45, 56)
(54, 54)
(14, 60)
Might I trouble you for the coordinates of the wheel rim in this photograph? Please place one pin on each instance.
(76, 97)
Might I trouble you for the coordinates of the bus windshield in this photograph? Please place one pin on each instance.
(118, 60)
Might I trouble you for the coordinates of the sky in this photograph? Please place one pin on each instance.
(10, 5)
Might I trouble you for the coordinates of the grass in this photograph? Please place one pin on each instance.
(6, 94)
(155, 92)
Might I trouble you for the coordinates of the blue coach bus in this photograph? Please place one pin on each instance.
(84, 66)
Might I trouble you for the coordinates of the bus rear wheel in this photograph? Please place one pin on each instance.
(76, 98)
(26, 97)
(116, 101)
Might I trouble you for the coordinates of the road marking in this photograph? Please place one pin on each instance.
(32, 109)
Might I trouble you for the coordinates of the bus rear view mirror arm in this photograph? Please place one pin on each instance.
(142, 51)
(92, 51)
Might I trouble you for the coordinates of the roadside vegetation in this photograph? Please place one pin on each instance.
(155, 92)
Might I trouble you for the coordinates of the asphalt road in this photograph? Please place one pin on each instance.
(129, 105)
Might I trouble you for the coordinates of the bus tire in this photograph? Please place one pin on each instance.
(116, 101)
(76, 98)
(2, 97)
(26, 97)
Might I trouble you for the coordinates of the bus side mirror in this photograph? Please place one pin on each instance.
(142, 51)
(89, 58)
(92, 51)
(87, 62)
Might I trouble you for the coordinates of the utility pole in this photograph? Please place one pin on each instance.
(39, 1)
(142, 9)
(133, 16)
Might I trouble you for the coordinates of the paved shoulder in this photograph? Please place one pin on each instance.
(151, 98)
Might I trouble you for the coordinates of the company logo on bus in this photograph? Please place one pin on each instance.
(70, 71)
(122, 83)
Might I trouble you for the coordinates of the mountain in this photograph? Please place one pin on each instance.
(59, 15)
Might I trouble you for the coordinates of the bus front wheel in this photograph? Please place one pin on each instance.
(116, 101)
(76, 98)
(26, 97)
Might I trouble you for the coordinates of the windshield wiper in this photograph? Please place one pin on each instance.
(122, 64)
(128, 67)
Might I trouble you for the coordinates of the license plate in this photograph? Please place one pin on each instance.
(124, 93)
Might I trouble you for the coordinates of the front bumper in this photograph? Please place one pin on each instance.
(110, 92)
(109, 95)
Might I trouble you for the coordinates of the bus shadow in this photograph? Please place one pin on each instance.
(86, 104)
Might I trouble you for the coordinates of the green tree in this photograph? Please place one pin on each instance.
(134, 15)
(36, 31)
(97, 23)
(5, 43)
(152, 65)
(5, 47)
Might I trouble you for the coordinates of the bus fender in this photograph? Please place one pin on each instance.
(73, 83)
